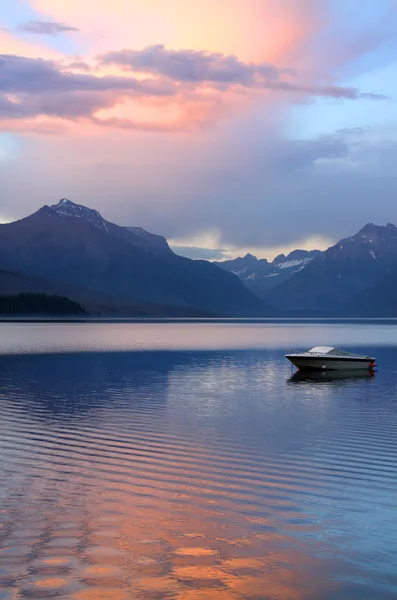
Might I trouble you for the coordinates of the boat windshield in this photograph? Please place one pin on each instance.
(328, 350)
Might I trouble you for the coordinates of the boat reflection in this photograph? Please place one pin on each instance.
(328, 376)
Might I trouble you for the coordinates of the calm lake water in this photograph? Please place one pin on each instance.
(181, 460)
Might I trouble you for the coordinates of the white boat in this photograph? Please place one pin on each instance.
(327, 358)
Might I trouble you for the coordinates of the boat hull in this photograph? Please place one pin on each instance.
(328, 376)
(304, 363)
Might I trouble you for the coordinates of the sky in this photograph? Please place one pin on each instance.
(229, 126)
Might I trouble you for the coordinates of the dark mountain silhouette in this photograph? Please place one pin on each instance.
(38, 305)
(340, 273)
(16, 282)
(152, 241)
(73, 245)
(260, 275)
(95, 303)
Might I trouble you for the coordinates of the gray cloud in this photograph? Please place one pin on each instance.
(221, 70)
(190, 65)
(304, 153)
(265, 202)
(80, 65)
(38, 76)
(11, 110)
(45, 87)
(45, 27)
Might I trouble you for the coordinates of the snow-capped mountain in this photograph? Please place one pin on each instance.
(67, 208)
(135, 235)
(260, 275)
(349, 267)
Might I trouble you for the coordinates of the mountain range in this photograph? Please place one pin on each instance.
(357, 276)
(260, 276)
(72, 250)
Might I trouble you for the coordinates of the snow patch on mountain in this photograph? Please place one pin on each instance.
(288, 264)
(67, 208)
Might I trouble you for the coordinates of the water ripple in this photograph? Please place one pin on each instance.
(194, 477)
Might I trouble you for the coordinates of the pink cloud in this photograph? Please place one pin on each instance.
(199, 83)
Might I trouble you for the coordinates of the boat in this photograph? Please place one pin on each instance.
(327, 358)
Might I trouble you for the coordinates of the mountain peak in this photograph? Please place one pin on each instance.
(249, 256)
(67, 208)
(369, 227)
(279, 258)
(376, 231)
(65, 202)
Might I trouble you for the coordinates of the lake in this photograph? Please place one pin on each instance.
(184, 460)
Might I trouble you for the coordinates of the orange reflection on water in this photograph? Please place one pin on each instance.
(151, 516)
(188, 550)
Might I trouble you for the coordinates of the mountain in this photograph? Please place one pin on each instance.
(260, 276)
(380, 300)
(15, 282)
(73, 245)
(39, 305)
(67, 208)
(94, 302)
(135, 235)
(156, 243)
(340, 273)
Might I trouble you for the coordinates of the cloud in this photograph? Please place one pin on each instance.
(141, 125)
(80, 65)
(190, 65)
(244, 154)
(214, 68)
(45, 27)
(112, 166)
(199, 85)
(42, 127)
(35, 87)
(199, 253)
(38, 76)
(302, 154)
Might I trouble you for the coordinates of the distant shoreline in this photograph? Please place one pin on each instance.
(95, 319)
